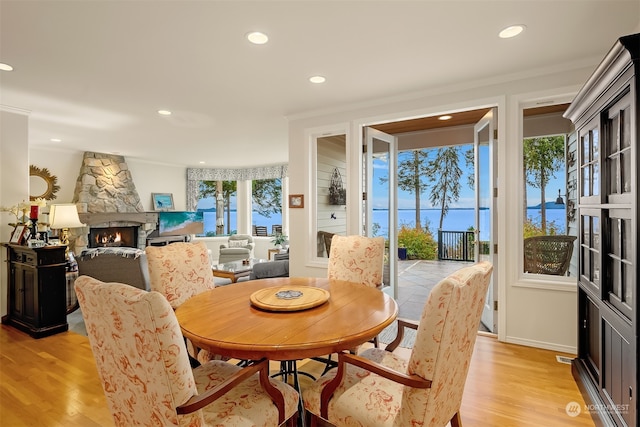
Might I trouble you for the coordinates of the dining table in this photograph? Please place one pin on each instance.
(249, 320)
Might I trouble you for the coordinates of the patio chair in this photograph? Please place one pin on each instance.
(260, 230)
(548, 254)
(145, 373)
(325, 240)
(382, 389)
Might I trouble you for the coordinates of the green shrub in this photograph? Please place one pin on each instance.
(420, 244)
(532, 228)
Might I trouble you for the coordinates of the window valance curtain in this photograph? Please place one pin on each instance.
(194, 175)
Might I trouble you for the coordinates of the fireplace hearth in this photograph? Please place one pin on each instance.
(113, 237)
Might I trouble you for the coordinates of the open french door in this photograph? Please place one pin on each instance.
(485, 222)
(380, 199)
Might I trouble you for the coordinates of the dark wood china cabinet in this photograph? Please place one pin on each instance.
(606, 114)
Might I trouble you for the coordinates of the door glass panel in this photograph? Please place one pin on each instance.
(483, 225)
(595, 250)
(331, 184)
(485, 233)
(379, 211)
(595, 178)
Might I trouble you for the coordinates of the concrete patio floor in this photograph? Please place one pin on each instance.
(416, 278)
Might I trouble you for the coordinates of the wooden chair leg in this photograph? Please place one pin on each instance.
(456, 421)
(293, 421)
(313, 420)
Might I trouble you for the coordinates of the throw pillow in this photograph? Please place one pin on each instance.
(238, 243)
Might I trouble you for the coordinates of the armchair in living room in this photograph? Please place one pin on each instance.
(239, 246)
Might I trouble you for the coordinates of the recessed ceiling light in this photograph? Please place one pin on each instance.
(257, 37)
(5, 67)
(447, 117)
(164, 112)
(202, 163)
(317, 79)
(55, 140)
(511, 31)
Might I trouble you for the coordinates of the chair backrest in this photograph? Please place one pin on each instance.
(548, 254)
(140, 353)
(276, 229)
(260, 230)
(325, 240)
(357, 259)
(241, 241)
(444, 344)
(179, 270)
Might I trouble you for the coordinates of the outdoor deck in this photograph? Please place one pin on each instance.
(416, 278)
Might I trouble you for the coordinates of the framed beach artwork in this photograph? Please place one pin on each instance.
(162, 201)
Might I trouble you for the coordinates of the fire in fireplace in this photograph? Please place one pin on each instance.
(113, 237)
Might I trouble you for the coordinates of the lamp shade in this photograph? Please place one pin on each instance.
(64, 216)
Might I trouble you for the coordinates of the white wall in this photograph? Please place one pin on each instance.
(538, 314)
(14, 180)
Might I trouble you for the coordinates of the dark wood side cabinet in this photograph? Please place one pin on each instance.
(606, 113)
(37, 290)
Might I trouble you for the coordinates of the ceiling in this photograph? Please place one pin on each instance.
(94, 73)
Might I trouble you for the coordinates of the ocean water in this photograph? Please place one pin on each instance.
(256, 218)
(456, 219)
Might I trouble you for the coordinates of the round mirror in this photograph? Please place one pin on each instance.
(42, 185)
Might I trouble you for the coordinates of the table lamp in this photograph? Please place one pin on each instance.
(63, 217)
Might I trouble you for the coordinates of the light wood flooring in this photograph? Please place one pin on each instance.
(53, 381)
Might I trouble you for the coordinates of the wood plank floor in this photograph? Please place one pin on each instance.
(53, 381)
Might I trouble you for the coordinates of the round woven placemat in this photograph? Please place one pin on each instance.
(289, 298)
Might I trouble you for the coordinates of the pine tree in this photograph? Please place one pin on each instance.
(444, 173)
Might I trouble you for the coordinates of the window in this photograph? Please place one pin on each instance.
(266, 204)
(549, 178)
(228, 197)
(218, 202)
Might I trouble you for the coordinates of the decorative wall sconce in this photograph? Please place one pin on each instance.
(337, 193)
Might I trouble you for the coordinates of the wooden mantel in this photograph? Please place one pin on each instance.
(107, 217)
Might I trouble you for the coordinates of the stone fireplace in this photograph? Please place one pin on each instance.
(108, 203)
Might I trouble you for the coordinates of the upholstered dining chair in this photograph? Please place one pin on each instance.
(179, 271)
(357, 259)
(144, 368)
(379, 388)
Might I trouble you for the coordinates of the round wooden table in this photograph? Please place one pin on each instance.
(224, 321)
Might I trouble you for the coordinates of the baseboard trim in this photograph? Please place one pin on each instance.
(543, 345)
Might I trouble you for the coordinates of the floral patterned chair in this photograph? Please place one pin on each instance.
(379, 388)
(144, 368)
(179, 271)
(357, 259)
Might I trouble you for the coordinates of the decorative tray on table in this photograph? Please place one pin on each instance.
(289, 298)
